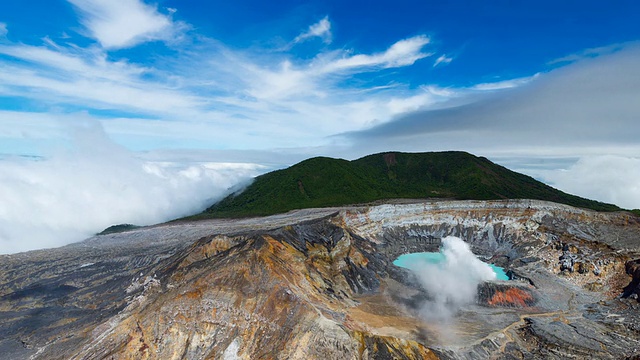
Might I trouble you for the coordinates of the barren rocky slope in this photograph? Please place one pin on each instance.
(321, 284)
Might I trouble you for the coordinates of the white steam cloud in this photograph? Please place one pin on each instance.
(94, 184)
(453, 282)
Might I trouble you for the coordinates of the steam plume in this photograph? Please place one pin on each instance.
(453, 282)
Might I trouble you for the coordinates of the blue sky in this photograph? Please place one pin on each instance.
(253, 75)
(203, 94)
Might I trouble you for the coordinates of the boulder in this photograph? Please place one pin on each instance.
(567, 260)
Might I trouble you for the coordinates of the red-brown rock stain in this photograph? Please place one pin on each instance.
(511, 297)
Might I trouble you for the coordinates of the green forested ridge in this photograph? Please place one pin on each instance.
(322, 181)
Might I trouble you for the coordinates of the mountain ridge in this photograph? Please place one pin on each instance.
(324, 181)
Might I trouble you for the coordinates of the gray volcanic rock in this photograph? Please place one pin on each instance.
(321, 284)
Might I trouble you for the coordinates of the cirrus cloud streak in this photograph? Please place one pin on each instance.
(124, 23)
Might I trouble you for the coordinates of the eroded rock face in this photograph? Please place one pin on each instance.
(321, 284)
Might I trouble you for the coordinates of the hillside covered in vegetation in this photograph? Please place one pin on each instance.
(322, 182)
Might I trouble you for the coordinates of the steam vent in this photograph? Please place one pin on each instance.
(321, 284)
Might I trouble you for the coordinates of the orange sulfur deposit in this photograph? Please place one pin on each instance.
(512, 297)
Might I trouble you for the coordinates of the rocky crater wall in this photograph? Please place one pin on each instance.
(321, 284)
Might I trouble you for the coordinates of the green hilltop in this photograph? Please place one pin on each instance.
(323, 182)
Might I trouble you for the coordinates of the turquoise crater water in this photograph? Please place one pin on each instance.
(408, 261)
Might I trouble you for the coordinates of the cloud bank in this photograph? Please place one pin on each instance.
(612, 179)
(94, 183)
(586, 105)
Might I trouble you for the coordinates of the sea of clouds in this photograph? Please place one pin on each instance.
(92, 183)
(609, 178)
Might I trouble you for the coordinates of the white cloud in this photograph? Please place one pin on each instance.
(318, 77)
(321, 29)
(442, 60)
(403, 53)
(310, 95)
(505, 84)
(284, 82)
(88, 78)
(611, 179)
(428, 97)
(3, 30)
(90, 63)
(124, 23)
(94, 184)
